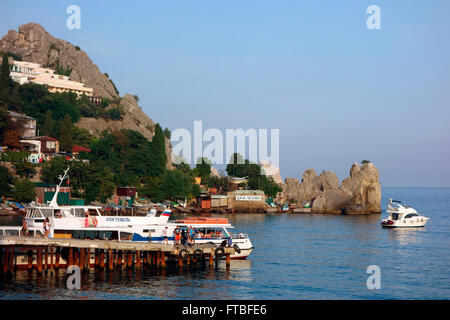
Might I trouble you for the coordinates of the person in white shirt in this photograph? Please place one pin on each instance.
(164, 234)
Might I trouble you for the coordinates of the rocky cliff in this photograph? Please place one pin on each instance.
(360, 193)
(35, 44)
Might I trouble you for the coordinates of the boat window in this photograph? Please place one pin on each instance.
(411, 215)
(65, 213)
(35, 213)
(93, 212)
(149, 230)
(77, 212)
(210, 233)
(11, 232)
(1, 232)
(126, 236)
(47, 212)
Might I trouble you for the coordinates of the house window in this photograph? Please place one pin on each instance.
(50, 144)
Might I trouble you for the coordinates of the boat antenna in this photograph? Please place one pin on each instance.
(54, 202)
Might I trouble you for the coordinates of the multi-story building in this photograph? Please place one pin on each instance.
(24, 71)
(28, 124)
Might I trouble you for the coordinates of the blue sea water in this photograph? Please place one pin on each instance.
(296, 256)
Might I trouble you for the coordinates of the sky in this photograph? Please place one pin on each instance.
(338, 92)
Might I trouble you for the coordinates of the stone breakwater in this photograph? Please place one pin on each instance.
(360, 193)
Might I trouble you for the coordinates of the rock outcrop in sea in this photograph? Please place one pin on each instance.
(360, 193)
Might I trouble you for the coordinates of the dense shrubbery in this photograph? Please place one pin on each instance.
(24, 191)
(6, 180)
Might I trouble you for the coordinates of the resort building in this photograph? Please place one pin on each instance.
(24, 72)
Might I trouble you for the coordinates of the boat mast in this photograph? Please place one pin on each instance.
(54, 202)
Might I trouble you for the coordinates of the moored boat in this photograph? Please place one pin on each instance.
(402, 216)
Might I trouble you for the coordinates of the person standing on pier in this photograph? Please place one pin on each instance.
(164, 234)
(24, 230)
(177, 234)
(46, 228)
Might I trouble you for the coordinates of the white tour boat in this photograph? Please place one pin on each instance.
(402, 216)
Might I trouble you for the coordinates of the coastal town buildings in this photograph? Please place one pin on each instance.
(41, 148)
(24, 72)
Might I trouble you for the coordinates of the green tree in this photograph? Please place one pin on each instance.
(6, 180)
(52, 169)
(270, 187)
(78, 178)
(48, 126)
(177, 184)
(24, 191)
(9, 95)
(203, 169)
(24, 168)
(158, 158)
(5, 79)
(101, 184)
(82, 137)
(221, 183)
(238, 167)
(66, 135)
(167, 133)
(152, 188)
(5, 120)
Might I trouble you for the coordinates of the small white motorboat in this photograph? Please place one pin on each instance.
(402, 216)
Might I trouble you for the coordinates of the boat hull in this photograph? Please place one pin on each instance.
(407, 224)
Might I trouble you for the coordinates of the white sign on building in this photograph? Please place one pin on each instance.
(248, 198)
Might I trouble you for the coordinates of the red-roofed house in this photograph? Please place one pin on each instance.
(42, 147)
(77, 149)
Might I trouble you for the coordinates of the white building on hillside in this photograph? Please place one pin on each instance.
(23, 72)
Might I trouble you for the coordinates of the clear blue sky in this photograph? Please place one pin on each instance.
(337, 91)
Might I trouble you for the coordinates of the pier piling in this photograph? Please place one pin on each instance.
(102, 259)
(52, 254)
(39, 260)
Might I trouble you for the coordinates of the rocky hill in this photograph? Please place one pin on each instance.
(360, 193)
(33, 43)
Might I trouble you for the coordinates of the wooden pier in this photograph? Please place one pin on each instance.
(42, 254)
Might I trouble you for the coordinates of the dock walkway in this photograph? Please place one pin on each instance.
(40, 254)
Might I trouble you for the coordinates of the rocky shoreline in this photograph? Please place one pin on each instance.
(360, 193)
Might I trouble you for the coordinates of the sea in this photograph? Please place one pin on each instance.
(296, 257)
